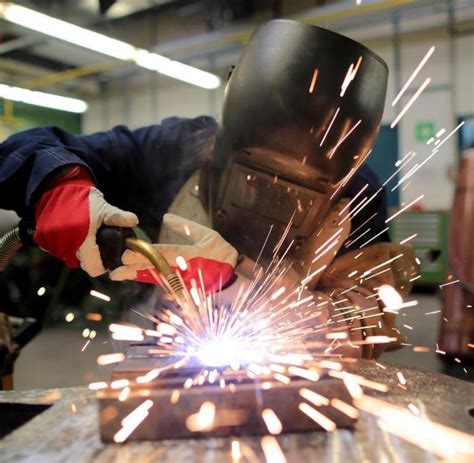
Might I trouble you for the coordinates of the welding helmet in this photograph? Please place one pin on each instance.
(300, 114)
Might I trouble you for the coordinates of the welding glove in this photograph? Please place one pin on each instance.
(68, 215)
(209, 260)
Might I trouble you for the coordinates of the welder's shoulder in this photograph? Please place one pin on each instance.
(188, 136)
(46, 135)
(179, 129)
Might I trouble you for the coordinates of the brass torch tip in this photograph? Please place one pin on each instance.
(156, 258)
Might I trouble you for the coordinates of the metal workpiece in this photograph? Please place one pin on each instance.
(69, 429)
(238, 412)
(238, 406)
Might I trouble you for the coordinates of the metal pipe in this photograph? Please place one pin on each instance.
(10, 243)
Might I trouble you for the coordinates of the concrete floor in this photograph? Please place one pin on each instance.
(55, 359)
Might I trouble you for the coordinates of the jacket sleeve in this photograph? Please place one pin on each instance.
(115, 158)
(28, 158)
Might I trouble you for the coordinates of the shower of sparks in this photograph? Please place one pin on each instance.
(414, 74)
(276, 332)
(410, 102)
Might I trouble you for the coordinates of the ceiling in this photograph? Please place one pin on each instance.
(187, 30)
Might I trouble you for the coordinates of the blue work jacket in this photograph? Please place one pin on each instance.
(138, 170)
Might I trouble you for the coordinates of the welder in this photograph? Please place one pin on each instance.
(302, 109)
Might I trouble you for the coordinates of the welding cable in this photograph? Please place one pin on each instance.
(10, 243)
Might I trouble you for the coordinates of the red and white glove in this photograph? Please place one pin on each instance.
(68, 215)
(209, 252)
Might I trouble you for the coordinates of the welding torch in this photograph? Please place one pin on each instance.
(114, 241)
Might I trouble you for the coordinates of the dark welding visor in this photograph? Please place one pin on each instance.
(301, 111)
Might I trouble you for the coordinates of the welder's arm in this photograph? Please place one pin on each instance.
(207, 261)
(68, 214)
(29, 159)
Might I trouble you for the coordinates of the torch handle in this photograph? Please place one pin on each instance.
(112, 244)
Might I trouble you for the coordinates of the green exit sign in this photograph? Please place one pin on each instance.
(424, 130)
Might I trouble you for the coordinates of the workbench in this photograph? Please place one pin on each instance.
(68, 430)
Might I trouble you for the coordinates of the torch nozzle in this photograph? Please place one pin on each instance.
(156, 258)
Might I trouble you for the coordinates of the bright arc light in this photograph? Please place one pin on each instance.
(46, 100)
(226, 353)
(109, 46)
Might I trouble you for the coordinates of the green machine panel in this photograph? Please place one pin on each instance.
(432, 234)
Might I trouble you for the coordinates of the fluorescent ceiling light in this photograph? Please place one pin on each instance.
(100, 43)
(47, 100)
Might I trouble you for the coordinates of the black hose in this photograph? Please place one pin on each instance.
(10, 243)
